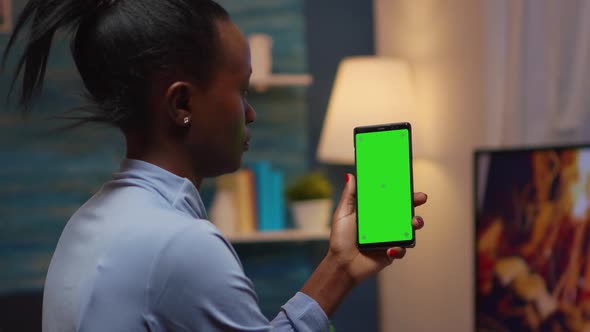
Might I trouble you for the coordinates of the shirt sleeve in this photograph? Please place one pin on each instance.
(197, 284)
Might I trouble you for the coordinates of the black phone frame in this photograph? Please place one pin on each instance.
(376, 128)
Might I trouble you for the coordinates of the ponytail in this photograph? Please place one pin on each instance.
(117, 45)
(45, 17)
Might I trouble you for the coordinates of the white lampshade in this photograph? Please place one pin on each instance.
(368, 90)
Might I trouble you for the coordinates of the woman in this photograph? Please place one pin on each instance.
(140, 255)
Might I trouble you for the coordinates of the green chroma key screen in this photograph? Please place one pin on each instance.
(384, 197)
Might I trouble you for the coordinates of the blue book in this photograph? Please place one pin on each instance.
(278, 203)
(262, 171)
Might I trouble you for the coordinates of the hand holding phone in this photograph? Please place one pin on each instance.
(383, 158)
(360, 264)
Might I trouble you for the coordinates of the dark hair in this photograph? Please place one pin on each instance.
(117, 45)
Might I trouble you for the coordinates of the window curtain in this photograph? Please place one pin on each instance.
(538, 67)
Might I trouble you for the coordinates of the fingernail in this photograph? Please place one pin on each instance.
(391, 252)
(347, 177)
(420, 220)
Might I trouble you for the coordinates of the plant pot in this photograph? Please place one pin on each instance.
(312, 215)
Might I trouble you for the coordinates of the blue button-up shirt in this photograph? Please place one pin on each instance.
(141, 255)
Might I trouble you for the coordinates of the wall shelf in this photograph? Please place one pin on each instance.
(280, 80)
(260, 84)
(291, 235)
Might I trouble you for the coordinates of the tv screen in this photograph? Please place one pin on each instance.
(533, 239)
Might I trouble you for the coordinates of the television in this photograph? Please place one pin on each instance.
(532, 213)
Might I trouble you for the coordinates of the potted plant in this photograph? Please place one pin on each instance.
(310, 202)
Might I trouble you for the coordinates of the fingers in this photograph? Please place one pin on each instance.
(417, 222)
(347, 204)
(420, 198)
(396, 253)
(385, 258)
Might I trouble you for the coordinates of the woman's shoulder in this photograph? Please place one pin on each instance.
(136, 216)
(196, 254)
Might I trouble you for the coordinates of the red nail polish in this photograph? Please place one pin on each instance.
(391, 252)
(347, 177)
(420, 220)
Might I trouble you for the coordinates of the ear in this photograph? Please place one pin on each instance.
(178, 96)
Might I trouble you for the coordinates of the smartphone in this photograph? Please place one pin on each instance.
(384, 186)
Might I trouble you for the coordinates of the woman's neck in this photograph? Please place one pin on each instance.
(167, 156)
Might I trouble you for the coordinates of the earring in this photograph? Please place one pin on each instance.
(186, 120)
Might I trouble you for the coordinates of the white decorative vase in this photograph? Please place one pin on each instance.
(261, 55)
(312, 215)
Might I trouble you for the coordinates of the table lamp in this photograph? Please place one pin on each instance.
(368, 90)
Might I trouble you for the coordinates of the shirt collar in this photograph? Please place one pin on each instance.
(179, 192)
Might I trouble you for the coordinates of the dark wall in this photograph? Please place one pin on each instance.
(336, 29)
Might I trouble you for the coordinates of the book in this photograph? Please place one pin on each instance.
(263, 175)
(278, 201)
(233, 208)
(223, 213)
(246, 201)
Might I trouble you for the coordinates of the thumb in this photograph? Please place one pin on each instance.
(347, 204)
